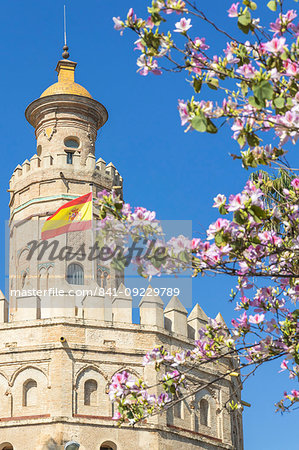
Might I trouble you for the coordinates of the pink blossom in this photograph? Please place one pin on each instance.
(195, 243)
(274, 46)
(179, 358)
(291, 68)
(290, 15)
(217, 226)
(295, 393)
(295, 183)
(233, 10)
(269, 237)
(117, 416)
(257, 318)
(242, 321)
(219, 200)
(118, 24)
(284, 365)
(183, 110)
(179, 244)
(235, 202)
(143, 214)
(183, 25)
(130, 13)
(149, 23)
(147, 65)
(247, 70)
(200, 43)
(237, 127)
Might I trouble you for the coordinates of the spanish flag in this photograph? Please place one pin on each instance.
(75, 215)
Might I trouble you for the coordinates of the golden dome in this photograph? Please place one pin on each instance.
(66, 81)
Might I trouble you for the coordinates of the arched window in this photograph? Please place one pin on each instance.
(90, 393)
(108, 445)
(69, 157)
(30, 393)
(71, 143)
(204, 412)
(6, 446)
(75, 274)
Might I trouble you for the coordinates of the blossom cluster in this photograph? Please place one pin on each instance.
(256, 237)
(248, 245)
(263, 69)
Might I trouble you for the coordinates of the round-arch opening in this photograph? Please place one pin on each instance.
(108, 445)
(39, 150)
(204, 412)
(71, 142)
(30, 393)
(75, 274)
(6, 446)
(90, 393)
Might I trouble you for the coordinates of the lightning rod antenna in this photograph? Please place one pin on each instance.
(65, 53)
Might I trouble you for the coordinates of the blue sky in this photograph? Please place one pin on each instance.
(164, 169)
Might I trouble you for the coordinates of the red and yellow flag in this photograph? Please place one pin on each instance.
(75, 215)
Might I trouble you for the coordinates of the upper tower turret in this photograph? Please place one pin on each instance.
(66, 114)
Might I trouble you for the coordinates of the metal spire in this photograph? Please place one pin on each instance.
(65, 53)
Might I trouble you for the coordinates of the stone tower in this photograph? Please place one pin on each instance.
(59, 351)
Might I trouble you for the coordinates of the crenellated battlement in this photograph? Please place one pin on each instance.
(52, 174)
(172, 319)
(59, 161)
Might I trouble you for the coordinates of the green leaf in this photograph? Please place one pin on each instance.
(245, 19)
(239, 217)
(279, 102)
(241, 140)
(253, 6)
(211, 128)
(243, 28)
(219, 239)
(263, 91)
(272, 5)
(223, 210)
(197, 83)
(252, 139)
(261, 213)
(296, 313)
(213, 83)
(256, 103)
(199, 123)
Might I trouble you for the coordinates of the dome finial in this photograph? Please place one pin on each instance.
(65, 53)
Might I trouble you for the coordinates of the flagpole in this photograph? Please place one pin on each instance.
(92, 235)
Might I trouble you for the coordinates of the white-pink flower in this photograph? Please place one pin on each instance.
(257, 318)
(219, 200)
(183, 25)
(295, 183)
(118, 24)
(247, 70)
(130, 13)
(236, 202)
(184, 114)
(291, 68)
(274, 46)
(233, 10)
(284, 365)
(179, 358)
